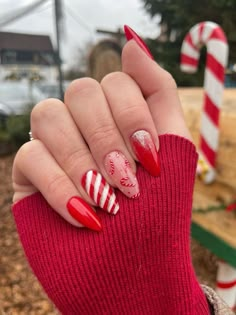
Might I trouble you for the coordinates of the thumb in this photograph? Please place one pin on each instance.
(157, 85)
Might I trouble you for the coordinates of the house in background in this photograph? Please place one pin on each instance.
(26, 56)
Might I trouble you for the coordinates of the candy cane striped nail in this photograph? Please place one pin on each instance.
(213, 37)
(100, 191)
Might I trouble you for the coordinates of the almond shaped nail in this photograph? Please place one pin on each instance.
(146, 152)
(100, 191)
(119, 169)
(131, 34)
(83, 213)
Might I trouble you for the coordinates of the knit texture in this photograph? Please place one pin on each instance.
(139, 264)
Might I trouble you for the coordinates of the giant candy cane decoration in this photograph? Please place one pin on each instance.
(213, 37)
(226, 283)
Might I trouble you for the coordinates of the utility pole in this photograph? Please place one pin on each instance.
(119, 35)
(58, 25)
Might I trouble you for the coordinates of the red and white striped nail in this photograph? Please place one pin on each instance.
(100, 191)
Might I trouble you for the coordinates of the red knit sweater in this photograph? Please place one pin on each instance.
(139, 264)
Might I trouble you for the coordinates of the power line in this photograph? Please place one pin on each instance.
(44, 8)
(21, 12)
(78, 19)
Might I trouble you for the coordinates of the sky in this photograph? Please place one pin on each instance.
(81, 19)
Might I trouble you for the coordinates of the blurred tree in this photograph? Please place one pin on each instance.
(177, 17)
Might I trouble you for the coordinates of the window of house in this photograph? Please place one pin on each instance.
(9, 57)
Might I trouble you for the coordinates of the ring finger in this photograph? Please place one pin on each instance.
(133, 118)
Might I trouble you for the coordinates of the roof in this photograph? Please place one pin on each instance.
(29, 42)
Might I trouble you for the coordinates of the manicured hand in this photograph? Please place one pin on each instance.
(88, 145)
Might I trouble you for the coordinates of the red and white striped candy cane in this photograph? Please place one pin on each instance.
(213, 37)
(226, 283)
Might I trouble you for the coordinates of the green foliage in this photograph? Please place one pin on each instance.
(168, 56)
(4, 136)
(14, 131)
(179, 16)
(17, 129)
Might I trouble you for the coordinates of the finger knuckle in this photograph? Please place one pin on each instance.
(169, 80)
(112, 78)
(55, 183)
(72, 159)
(134, 113)
(45, 110)
(27, 151)
(79, 85)
(101, 134)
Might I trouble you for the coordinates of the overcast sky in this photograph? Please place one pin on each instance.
(82, 17)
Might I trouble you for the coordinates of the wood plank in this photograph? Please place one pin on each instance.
(223, 190)
(226, 157)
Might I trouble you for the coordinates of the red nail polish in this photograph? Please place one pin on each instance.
(146, 152)
(131, 34)
(84, 214)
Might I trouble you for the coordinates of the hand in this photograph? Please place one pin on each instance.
(79, 139)
(141, 262)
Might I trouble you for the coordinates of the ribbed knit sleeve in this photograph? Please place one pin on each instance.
(139, 264)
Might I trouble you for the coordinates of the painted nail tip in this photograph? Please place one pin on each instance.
(136, 196)
(83, 213)
(95, 224)
(114, 212)
(111, 211)
(154, 171)
(127, 31)
(98, 229)
(131, 34)
(156, 174)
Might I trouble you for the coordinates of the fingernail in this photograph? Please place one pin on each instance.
(131, 34)
(146, 152)
(100, 191)
(118, 167)
(84, 214)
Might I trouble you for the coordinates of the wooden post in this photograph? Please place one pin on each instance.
(58, 25)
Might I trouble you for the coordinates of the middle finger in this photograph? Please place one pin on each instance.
(90, 110)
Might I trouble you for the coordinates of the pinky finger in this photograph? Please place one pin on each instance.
(35, 169)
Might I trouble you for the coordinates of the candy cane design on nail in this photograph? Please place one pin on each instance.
(100, 191)
(126, 182)
(112, 168)
(213, 37)
(118, 167)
